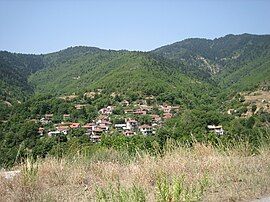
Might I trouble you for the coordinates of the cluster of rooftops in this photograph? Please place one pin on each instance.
(129, 127)
(102, 124)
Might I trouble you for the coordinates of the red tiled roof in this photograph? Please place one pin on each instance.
(62, 128)
(145, 126)
(98, 130)
(75, 125)
(132, 121)
(167, 115)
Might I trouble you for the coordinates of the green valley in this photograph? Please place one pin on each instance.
(87, 99)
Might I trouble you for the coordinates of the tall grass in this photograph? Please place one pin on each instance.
(120, 193)
(202, 172)
(179, 190)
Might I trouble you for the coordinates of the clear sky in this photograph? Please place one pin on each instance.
(36, 26)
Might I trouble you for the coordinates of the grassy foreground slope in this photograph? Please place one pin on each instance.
(201, 173)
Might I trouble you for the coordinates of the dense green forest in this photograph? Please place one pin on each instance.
(15, 70)
(241, 61)
(200, 79)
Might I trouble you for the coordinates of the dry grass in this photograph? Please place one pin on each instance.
(231, 176)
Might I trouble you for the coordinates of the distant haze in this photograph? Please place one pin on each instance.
(48, 26)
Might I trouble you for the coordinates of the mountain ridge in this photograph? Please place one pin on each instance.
(205, 58)
(227, 61)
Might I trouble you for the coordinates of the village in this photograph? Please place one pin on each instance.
(131, 121)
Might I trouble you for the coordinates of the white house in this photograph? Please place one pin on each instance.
(120, 126)
(146, 129)
(217, 129)
(131, 124)
(51, 133)
(106, 111)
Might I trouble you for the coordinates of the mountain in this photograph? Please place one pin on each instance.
(184, 87)
(14, 72)
(121, 72)
(72, 69)
(238, 61)
(187, 67)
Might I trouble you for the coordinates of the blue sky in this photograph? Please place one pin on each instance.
(47, 26)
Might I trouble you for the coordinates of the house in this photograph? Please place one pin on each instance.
(146, 129)
(106, 111)
(89, 127)
(166, 108)
(231, 111)
(128, 111)
(156, 118)
(167, 115)
(139, 112)
(63, 124)
(44, 121)
(125, 103)
(69, 97)
(102, 117)
(103, 127)
(129, 133)
(131, 124)
(155, 125)
(97, 131)
(41, 131)
(105, 122)
(176, 108)
(66, 116)
(150, 97)
(48, 116)
(120, 126)
(75, 125)
(216, 129)
(51, 133)
(146, 108)
(90, 94)
(95, 138)
(79, 106)
(63, 129)
(141, 102)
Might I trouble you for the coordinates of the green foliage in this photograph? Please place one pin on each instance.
(241, 60)
(119, 193)
(199, 75)
(178, 190)
(130, 144)
(14, 72)
(30, 171)
(130, 73)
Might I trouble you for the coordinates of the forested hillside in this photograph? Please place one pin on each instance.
(14, 72)
(90, 98)
(231, 60)
(236, 61)
(115, 71)
(72, 70)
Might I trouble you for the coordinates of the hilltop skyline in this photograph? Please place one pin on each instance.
(43, 27)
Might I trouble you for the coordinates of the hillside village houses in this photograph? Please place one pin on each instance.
(66, 116)
(103, 124)
(146, 129)
(216, 129)
(125, 103)
(107, 110)
(79, 106)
